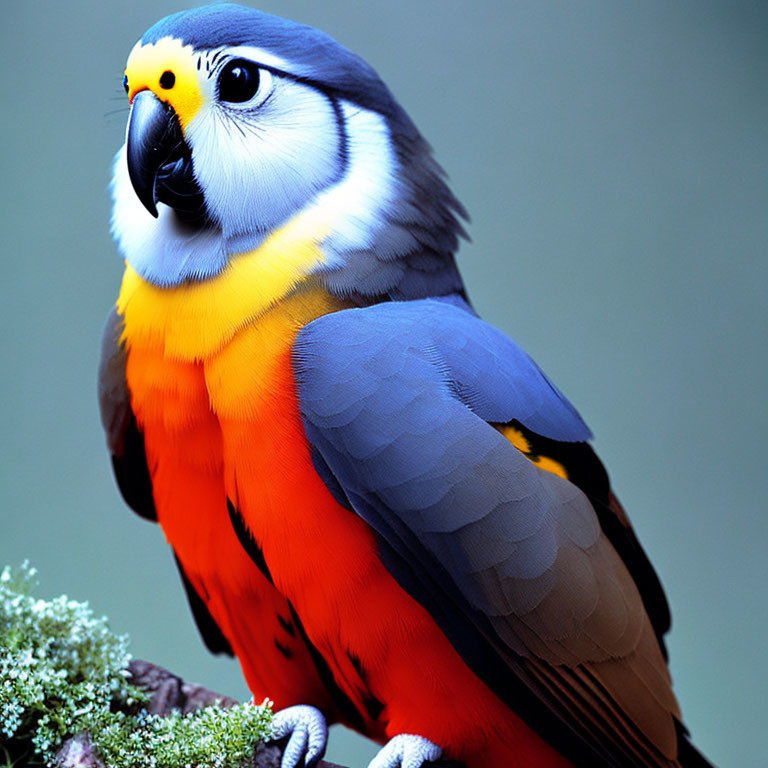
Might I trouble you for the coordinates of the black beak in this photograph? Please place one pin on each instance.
(154, 134)
(160, 162)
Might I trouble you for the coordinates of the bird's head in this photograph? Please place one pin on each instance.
(242, 122)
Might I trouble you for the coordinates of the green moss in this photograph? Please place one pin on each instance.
(62, 672)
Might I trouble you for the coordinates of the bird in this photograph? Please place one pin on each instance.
(376, 500)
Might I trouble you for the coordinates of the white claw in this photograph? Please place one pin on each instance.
(406, 751)
(308, 734)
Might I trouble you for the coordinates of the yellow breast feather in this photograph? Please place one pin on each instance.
(193, 320)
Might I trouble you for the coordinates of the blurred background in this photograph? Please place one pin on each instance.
(614, 160)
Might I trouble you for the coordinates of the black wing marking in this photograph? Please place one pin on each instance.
(124, 439)
(212, 636)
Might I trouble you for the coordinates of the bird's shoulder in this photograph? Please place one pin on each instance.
(428, 346)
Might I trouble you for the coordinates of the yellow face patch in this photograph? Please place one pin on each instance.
(147, 69)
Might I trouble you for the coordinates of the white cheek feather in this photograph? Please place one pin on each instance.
(354, 206)
(259, 167)
(160, 249)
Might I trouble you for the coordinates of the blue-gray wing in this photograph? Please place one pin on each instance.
(399, 402)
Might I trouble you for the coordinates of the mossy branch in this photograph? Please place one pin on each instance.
(169, 694)
(72, 697)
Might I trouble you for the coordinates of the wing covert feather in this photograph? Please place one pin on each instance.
(395, 399)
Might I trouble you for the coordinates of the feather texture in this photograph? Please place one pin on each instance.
(395, 399)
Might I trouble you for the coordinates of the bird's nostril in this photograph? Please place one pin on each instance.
(167, 79)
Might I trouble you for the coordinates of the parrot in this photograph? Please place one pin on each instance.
(377, 502)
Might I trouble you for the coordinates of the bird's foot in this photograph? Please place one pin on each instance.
(406, 751)
(308, 735)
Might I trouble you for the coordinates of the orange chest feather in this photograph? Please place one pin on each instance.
(228, 427)
(233, 414)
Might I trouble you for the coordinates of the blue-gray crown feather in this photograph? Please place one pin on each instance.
(315, 57)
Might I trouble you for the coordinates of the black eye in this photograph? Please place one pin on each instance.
(239, 81)
(125, 83)
(167, 79)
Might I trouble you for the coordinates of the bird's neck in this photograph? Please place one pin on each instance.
(194, 320)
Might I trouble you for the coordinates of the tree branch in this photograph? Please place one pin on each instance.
(170, 692)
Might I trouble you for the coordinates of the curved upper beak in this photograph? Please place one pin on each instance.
(154, 132)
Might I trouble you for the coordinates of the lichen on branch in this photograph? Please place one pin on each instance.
(63, 672)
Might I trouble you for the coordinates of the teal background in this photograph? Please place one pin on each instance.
(615, 162)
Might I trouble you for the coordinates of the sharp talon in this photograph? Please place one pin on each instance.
(308, 734)
(406, 750)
